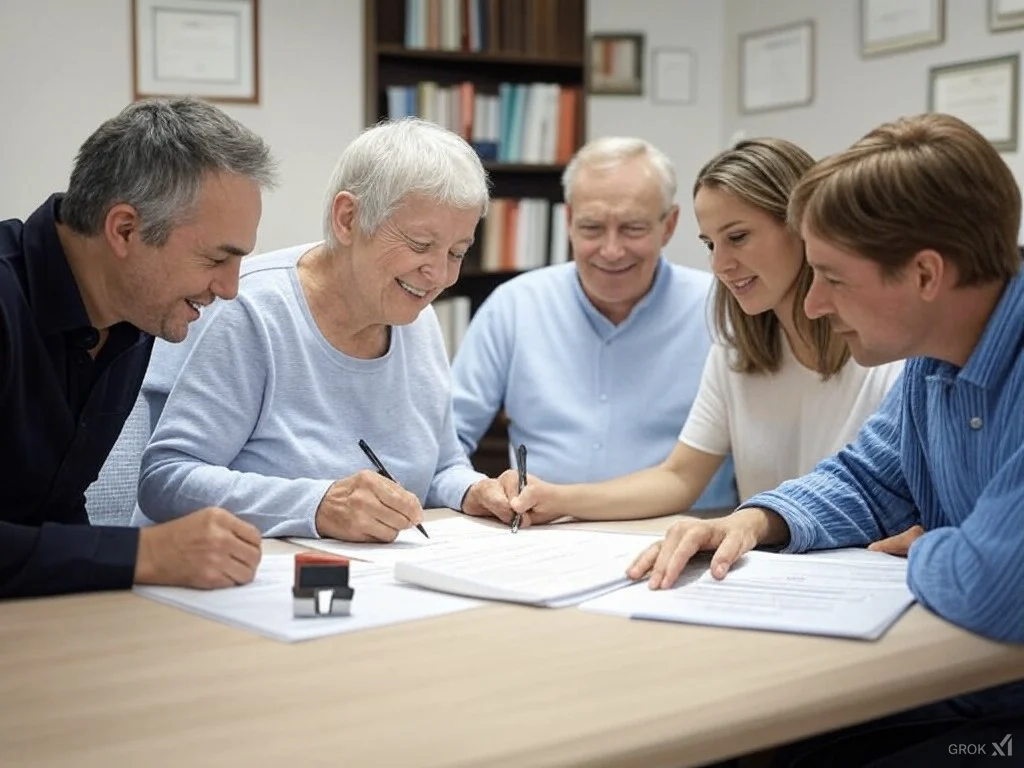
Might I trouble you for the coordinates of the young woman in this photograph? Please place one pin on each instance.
(779, 390)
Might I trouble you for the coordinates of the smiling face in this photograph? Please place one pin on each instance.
(415, 255)
(163, 286)
(881, 318)
(618, 224)
(752, 253)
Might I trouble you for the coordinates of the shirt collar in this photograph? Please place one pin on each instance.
(54, 295)
(1000, 343)
(604, 327)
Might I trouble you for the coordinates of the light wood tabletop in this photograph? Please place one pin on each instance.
(118, 680)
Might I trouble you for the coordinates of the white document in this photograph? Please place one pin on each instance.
(537, 566)
(844, 593)
(410, 542)
(265, 605)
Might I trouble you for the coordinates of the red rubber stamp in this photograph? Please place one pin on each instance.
(321, 586)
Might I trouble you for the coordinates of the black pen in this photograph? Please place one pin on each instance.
(382, 470)
(521, 467)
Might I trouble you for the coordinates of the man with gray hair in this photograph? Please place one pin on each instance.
(596, 362)
(164, 199)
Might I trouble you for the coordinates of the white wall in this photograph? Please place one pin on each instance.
(853, 94)
(65, 67)
(689, 134)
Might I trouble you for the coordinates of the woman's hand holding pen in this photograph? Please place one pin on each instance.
(729, 537)
(539, 502)
(488, 498)
(366, 507)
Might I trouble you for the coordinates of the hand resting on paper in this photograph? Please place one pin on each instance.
(898, 545)
(488, 498)
(207, 549)
(366, 507)
(728, 537)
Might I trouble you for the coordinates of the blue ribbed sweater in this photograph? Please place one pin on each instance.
(946, 450)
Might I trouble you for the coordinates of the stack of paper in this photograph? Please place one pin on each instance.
(844, 593)
(265, 605)
(546, 567)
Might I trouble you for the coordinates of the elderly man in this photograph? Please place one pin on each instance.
(596, 362)
(164, 200)
(332, 353)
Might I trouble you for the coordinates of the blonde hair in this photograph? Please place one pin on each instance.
(924, 182)
(763, 173)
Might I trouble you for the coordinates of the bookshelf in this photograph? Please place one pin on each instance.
(497, 51)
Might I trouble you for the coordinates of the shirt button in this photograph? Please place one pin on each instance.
(597, 446)
(603, 398)
(976, 422)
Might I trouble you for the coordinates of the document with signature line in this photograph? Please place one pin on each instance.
(843, 593)
(537, 566)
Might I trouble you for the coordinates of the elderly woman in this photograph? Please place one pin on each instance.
(329, 344)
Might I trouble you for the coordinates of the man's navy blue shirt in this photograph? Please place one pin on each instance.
(60, 414)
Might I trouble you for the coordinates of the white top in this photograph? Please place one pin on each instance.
(779, 426)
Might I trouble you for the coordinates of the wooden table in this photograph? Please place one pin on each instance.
(117, 680)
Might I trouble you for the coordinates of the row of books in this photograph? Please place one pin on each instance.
(453, 315)
(543, 28)
(524, 233)
(523, 123)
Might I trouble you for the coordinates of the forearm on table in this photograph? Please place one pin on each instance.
(653, 492)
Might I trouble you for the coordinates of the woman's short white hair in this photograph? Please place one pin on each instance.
(392, 160)
(610, 151)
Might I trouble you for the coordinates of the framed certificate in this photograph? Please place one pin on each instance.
(887, 26)
(1005, 14)
(983, 94)
(204, 48)
(673, 76)
(777, 68)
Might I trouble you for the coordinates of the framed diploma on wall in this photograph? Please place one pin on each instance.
(1005, 14)
(887, 26)
(982, 93)
(204, 48)
(777, 68)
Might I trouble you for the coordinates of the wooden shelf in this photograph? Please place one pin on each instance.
(523, 167)
(501, 274)
(391, 50)
(555, 31)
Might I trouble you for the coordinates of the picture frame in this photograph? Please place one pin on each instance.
(203, 48)
(890, 26)
(1005, 14)
(615, 66)
(777, 68)
(673, 76)
(983, 93)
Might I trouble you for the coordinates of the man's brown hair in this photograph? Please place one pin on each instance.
(924, 182)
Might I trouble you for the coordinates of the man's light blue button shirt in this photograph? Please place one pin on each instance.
(590, 399)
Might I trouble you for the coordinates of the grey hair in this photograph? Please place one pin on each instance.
(610, 151)
(154, 156)
(392, 160)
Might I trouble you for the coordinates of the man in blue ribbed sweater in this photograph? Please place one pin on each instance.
(912, 234)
